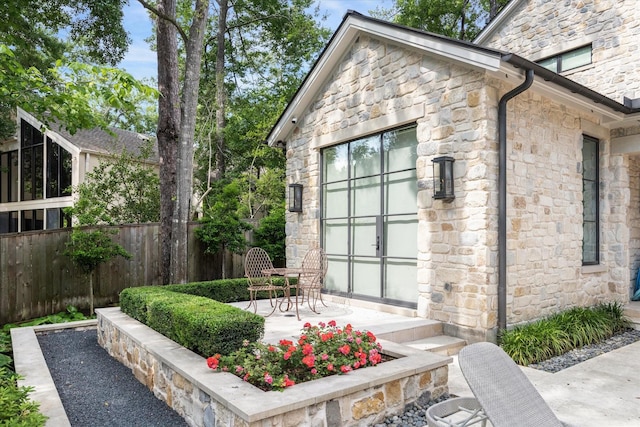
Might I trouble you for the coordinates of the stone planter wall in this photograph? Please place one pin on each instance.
(206, 398)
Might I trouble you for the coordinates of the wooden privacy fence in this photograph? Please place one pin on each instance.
(37, 279)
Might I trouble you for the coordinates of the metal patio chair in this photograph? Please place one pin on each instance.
(503, 391)
(257, 267)
(311, 278)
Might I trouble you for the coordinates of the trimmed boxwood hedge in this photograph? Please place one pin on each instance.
(225, 290)
(199, 323)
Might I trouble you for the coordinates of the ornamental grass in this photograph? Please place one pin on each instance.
(320, 351)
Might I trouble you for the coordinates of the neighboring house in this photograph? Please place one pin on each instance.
(546, 172)
(38, 170)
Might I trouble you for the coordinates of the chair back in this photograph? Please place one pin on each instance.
(256, 261)
(314, 268)
(502, 389)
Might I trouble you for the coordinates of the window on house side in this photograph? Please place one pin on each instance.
(568, 60)
(590, 198)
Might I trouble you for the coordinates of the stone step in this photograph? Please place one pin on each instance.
(440, 344)
(409, 330)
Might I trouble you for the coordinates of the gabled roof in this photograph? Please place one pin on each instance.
(498, 21)
(501, 64)
(100, 141)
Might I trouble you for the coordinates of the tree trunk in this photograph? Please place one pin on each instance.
(221, 98)
(168, 128)
(184, 164)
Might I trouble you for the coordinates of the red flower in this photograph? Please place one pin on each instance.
(213, 361)
(307, 349)
(330, 367)
(372, 337)
(286, 356)
(345, 368)
(271, 348)
(246, 377)
(286, 343)
(356, 365)
(314, 371)
(310, 361)
(332, 323)
(324, 356)
(345, 349)
(307, 325)
(239, 369)
(288, 382)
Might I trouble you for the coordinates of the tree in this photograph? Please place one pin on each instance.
(89, 249)
(121, 190)
(32, 57)
(222, 229)
(461, 19)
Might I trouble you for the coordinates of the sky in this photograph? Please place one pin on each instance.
(141, 62)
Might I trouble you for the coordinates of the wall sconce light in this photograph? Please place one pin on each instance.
(443, 178)
(295, 197)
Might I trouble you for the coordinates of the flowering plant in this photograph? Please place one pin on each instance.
(320, 351)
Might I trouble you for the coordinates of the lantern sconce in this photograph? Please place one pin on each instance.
(295, 197)
(443, 178)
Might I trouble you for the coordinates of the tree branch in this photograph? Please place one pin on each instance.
(161, 15)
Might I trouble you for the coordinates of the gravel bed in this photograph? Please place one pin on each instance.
(414, 414)
(97, 390)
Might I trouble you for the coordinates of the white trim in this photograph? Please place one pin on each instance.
(626, 145)
(377, 125)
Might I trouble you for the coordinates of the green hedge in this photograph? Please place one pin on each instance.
(226, 290)
(200, 324)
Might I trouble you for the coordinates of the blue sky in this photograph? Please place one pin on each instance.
(141, 62)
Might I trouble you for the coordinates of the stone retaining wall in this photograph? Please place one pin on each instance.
(205, 398)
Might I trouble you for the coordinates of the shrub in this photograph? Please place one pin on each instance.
(200, 324)
(15, 407)
(562, 332)
(320, 351)
(225, 290)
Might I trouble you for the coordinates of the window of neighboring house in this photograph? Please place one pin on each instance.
(32, 219)
(590, 201)
(9, 176)
(56, 218)
(32, 161)
(9, 222)
(568, 60)
(58, 170)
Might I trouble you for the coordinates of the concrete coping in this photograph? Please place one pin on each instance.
(29, 363)
(253, 404)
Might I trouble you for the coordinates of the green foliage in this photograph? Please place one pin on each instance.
(563, 332)
(221, 226)
(15, 407)
(270, 235)
(225, 290)
(460, 19)
(200, 324)
(88, 249)
(122, 190)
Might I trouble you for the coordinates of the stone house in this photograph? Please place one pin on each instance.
(39, 168)
(539, 118)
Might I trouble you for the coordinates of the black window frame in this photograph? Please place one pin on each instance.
(558, 59)
(31, 162)
(595, 184)
(9, 168)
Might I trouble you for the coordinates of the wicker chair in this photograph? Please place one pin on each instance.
(256, 266)
(311, 279)
(505, 393)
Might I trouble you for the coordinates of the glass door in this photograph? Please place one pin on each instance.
(369, 217)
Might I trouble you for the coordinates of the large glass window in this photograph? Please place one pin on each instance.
(590, 201)
(58, 170)
(9, 177)
(32, 162)
(369, 217)
(32, 220)
(9, 222)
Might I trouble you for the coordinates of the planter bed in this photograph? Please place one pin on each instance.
(182, 379)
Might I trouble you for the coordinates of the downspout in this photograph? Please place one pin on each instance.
(502, 198)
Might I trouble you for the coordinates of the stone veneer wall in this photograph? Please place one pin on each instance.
(457, 242)
(182, 380)
(542, 28)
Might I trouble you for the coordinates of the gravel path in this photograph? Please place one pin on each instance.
(95, 389)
